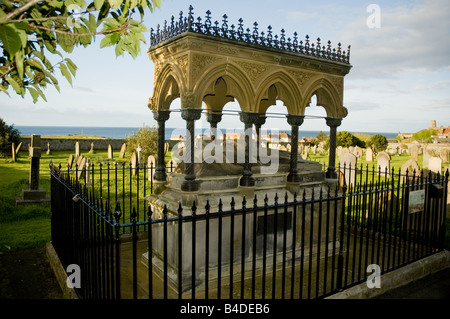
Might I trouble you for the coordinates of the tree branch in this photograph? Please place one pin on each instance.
(19, 10)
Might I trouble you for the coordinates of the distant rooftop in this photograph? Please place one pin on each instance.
(267, 39)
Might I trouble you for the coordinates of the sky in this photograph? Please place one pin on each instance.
(399, 81)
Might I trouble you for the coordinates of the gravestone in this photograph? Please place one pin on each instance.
(91, 151)
(138, 150)
(410, 168)
(166, 147)
(122, 150)
(435, 164)
(369, 155)
(48, 149)
(78, 162)
(133, 163)
(383, 164)
(445, 155)
(70, 161)
(77, 149)
(81, 166)
(151, 163)
(34, 194)
(414, 152)
(13, 152)
(350, 162)
(110, 152)
(18, 148)
(88, 177)
(426, 157)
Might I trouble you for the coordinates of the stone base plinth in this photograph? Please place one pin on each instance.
(33, 196)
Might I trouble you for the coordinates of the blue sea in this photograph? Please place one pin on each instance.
(123, 132)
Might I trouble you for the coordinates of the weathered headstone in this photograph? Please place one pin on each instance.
(445, 155)
(34, 194)
(435, 164)
(369, 154)
(122, 150)
(110, 152)
(133, 163)
(349, 161)
(48, 149)
(383, 164)
(138, 150)
(77, 149)
(18, 148)
(426, 157)
(414, 152)
(13, 152)
(410, 168)
(151, 163)
(81, 166)
(91, 151)
(78, 162)
(70, 161)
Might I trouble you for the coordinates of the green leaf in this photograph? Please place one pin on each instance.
(34, 94)
(19, 62)
(66, 41)
(98, 4)
(14, 85)
(65, 72)
(72, 67)
(11, 38)
(115, 3)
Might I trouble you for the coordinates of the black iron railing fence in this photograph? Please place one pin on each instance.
(309, 246)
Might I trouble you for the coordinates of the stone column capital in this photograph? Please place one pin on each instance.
(161, 115)
(214, 117)
(295, 119)
(333, 122)
(191, 114)
(247, 117)
(261, 120)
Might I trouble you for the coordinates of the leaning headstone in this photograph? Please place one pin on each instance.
(122, 150)
(110, 152)
(369, 154)
(81, 166)
(349, 161)
(18, 148)
(410, 168)
(70, 161)
(13, 152)
(78, 163)
(435, 164)
(383, 164)
(414, 152)
(133, 163)
(34, 194)
(151, 163)
(77, 149)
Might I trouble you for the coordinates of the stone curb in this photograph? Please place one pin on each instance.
(398, 277)
(60, 273)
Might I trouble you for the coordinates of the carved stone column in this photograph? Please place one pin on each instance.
(160, 171)
(213, 119)
(261, 120)
(294, 121)
(190, 116)
(248, 119)
(333, 123)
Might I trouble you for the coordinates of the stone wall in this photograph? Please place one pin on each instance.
(66, 144)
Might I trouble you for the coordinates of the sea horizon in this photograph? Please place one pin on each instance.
(123, 132)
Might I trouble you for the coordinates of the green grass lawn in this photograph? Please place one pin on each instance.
(28, 226)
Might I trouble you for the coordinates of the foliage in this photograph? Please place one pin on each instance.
(8, 135)
(146, 139)
(35, 32)
(424, 136)
(345, 139)
(321, 136)
(379, 142)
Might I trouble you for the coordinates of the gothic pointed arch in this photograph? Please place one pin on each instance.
(166, 88)
(329, 96)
